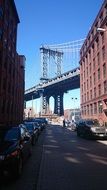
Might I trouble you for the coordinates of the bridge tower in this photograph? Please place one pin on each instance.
(46, 55)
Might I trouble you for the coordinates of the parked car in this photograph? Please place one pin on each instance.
(33, 130)
(37, 124)
(90, 128)
(42, 121)
(15, 147)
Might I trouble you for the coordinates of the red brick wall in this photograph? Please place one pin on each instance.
(93, 96)
(11, 71)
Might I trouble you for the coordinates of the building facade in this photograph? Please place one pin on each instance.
(11, 66)
(93, 69)
(72, 114)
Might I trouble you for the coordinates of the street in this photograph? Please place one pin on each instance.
(63, 161)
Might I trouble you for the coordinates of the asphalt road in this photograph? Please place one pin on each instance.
(63, 161)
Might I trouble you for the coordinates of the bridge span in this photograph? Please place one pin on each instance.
(55, 87)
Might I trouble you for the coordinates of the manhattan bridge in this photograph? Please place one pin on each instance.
(60, 73)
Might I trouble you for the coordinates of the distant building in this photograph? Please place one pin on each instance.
(72, 114)
(12, 66)
(93, 69)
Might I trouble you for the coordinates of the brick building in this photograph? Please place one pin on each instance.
(11, 66)
(93, 69)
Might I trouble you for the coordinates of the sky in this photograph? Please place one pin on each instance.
(52, 22)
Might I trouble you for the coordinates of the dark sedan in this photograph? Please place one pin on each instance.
(43, 122)
(91, 128)
(15, 147)
(33, 130)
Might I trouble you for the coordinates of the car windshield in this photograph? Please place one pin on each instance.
(29, 126)
(92, 122)
(9, 134)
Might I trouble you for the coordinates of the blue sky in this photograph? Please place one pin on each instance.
(51, 22)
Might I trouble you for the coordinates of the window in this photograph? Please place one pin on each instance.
(90, 68)
(86, 59)
(84, 110)
(89, 54)
(11, 134)
(22, 132)
(91, 109)
(95, 108)
(105, 87)
(93, 48)
(94, 63)
(88, 109)
(84, 86)
(99, 89)
(94, 78)
(98, 74)
(103, 53)
(102, 37)
(90, 94)
(101, 18)
(87, 96)
(96, 25)
(104, 70)
(100, 107)
(95, 92)
(90, 81)
(98, 59)
(97, 43)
